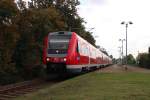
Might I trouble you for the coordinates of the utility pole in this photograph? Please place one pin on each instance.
(119, 55)
(126, 26)
(122, 48)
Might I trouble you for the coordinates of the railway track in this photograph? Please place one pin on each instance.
(12, 91)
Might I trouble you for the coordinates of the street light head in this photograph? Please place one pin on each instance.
(130, 22)
(123, 22)
(126, 23)
(121, 39)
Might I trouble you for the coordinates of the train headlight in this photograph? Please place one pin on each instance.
(47, 59)
(65, 59)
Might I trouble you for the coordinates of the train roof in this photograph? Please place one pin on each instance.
(61, 33)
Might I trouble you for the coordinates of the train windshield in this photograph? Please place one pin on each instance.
(58, 44)
(63, 44)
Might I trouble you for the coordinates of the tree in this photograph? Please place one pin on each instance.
(130, 59)
(89, 38)
(41, 4)
(144, 59)
(8, 39)
(68, 9)
(34, 23)
(23, 28)
(111, 56)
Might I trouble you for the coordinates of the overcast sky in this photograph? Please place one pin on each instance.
(106, 15)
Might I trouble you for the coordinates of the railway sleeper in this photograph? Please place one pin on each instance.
(7, 96)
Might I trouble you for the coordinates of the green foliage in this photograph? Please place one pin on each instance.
(23, 28)
(89, 38)
(69, 11)
(73, 21)
(144, 60)
(40, 4)
(8, 9)
(34, 24)
(8, 39)
(131, 60)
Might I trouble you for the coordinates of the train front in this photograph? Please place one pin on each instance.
(57, 49)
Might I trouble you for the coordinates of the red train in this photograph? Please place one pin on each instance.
(67, 51)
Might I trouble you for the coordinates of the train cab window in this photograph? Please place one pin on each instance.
(58, 43)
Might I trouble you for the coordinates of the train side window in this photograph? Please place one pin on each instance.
(77, 48)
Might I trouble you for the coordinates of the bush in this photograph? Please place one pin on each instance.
(38, 71)
(144, 60)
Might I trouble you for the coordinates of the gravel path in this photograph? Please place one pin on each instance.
(123, 68)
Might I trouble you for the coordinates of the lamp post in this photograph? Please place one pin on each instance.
(122, 48)
(126, 25)
(119, 55)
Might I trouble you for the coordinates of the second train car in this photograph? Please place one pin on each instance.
(68, 52)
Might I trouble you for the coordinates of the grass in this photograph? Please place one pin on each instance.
(97, 86)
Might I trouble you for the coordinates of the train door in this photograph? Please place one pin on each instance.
(89, 54)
